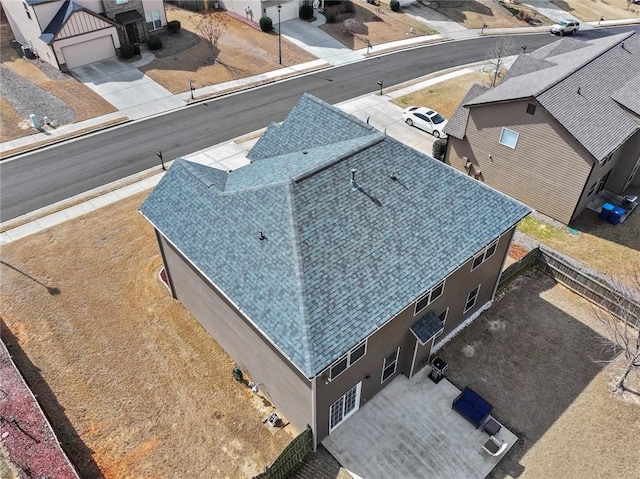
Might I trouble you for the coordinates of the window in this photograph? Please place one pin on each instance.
(472, 297)
(593, 188)
(509, 138)
(120, 2)
(344, 407)
(531, 109)
(153, 20)
(389, 365)
(442, 317)
(484, 255)
(606, 159)
(348, 360)
(26, 9)
(429, 297)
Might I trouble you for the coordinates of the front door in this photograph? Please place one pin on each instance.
(344, 407)
(132, 33)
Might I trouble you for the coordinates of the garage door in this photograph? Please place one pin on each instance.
(289, 11)
(89, 51)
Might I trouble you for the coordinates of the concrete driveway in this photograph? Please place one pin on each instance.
(409, 431)
(127, 88)
(318, 43)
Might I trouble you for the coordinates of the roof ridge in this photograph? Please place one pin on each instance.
(583, 65)
(305, 326)
(375, 139)
(337, 110)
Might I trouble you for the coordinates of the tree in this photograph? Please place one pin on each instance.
(500, 50)
(211, 27)
(621, 323)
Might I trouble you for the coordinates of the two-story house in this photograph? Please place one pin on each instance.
(564, 125)
(68, 34)
(333, 261)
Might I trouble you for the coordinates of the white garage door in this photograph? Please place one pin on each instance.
(89, 51)
(288, 12)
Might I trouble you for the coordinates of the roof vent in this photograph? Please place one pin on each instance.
(353, 179)
(393, 176)
(579, 91)
(304, 152)
(262, 236)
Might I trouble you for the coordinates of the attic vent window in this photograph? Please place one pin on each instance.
(531, 109)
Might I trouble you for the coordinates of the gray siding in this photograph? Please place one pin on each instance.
(285, 386)
(547, 170)
(396, 333)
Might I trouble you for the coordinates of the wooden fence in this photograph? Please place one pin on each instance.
(589, 286)
(292, 455)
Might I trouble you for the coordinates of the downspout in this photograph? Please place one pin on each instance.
(314, 415)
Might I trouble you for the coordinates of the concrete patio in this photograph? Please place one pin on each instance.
(410, 431)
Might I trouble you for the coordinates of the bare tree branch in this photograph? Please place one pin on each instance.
(501, 49)
(211, 27)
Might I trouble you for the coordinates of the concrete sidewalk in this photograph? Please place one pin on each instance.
(231, 155)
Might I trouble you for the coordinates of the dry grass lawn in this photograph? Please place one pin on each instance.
(473, 14)
(376, 26)
(592, 10)
(133, 385)
(81, 99)
(536, 356)
(613, 250)
(446, 96)
(244, 52)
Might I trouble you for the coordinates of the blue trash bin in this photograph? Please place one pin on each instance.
(607, 209)
(616, 215)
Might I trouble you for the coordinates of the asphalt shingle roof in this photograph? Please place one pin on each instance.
(457, 124)
(629, 95)
(338, 262)
(575, 86)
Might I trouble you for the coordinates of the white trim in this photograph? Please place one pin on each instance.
(475, 299)
(428, 294)
(413, 360)
(242, 313)
(506, 144)
(314, 415)
(341, 400)
(395, 366)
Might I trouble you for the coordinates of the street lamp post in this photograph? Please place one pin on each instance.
(380, 83)
(279, 7)
(524, 49)
(159, 153)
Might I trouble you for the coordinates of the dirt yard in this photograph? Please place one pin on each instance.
(473, 14)
(243, 51)
(133, 385)
(376, 24)
(591, 11)
(536, 356)
(446, 96)
(81, 99)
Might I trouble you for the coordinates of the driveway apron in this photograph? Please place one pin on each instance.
(317, 42)
(127, 88)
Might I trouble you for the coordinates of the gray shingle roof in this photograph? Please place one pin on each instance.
(457, 124)
(629, 95)
(427, 327)
(338, 262)
(596, 70)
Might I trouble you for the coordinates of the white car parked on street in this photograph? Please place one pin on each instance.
(426, 119)
(565, 27)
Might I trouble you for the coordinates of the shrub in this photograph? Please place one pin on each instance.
(331, 17)
(154, 43)
(173, 26)
(306, 12)
(266, 25)
(126, 50)
(348, 7)
(439, 149)
(395, 5)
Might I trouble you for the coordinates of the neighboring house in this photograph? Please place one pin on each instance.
(564, 125)
(333, 262)
(69, 34)
(254, 9)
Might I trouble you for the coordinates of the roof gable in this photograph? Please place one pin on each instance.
(73, 19)
(577, 89)
(336, 261)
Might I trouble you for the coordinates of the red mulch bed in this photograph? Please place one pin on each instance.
(26, 434)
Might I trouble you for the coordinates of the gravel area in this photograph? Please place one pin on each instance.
(27, 98)
(43, 66)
